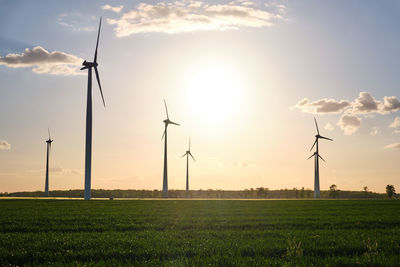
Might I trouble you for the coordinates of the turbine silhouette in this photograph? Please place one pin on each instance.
(46, 185)
(187, 154)
(316, 160)
(165, 175)
(88, 151)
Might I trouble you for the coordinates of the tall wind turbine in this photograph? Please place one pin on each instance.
(316, 160)
(187, 154)
(165, 176)
(88, 151)
(46, 185)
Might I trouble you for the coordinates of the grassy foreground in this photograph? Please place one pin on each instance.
(200, 232)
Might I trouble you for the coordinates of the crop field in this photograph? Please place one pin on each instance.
(200, 232)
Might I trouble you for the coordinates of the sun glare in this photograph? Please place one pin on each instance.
(214, 94)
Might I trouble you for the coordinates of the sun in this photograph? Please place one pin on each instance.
(214, 93)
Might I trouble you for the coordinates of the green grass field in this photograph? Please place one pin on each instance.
(200, 232)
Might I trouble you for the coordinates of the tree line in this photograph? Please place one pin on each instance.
(252, 193)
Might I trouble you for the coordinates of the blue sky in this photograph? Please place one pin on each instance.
(279, 52)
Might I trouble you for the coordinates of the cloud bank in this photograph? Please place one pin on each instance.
(191, 15)
(4, 145)
(41, 61)
(364, 104)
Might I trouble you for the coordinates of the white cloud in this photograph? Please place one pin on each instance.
(322, 106)
(366, 103)
(115, 9)
(191, 15)
(374, 131)
(329, 127)
(349, 124)
(4, 145)
(42, 61)
(395, 123)
(393, 146)
(390, 104)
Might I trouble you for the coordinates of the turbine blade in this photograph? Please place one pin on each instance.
(83, 68)
(183, 155)
(316, 140)
(98, 81)
(311, 156)
(191, 156)
(321, 158)
(163, 134)
(97, 43)
(174, 123)
(48, 130)
(166, 109)
(49, 148)
(322, 137)
(316, 124)
(189, 143)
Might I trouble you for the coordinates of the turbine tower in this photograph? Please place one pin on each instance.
(88, 151)
(165, 175)
(46, 185)
(316, 160)
(187, 154)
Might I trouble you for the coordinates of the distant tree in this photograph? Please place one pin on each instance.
(296, 192)
(302, 193)
(390, 191)
(333, 191)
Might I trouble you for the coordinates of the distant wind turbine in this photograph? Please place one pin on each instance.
(165, 176)
(316, 161)
(46, 185)
(187, 154)
(88, 151)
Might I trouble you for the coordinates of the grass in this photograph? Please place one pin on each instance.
(200, 233)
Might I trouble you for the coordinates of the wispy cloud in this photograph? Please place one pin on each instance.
(329, 127)
(395, 123)
(4, 145)
(115, 9)
(349, 124)
(42, 61)
(393, 146)
(190, 15)
(77, 22)
(374, 131)
(57, 171)
(322, 106)
(240, 164)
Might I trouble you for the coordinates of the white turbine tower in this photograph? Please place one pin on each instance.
(46, 185)
(88, 151)
(165, 175)
(316, 160)
(187, 154)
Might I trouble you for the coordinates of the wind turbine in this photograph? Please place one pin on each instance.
(316, 160)
(187, 154)
(88, 151)
(165, 176)
(46, 185)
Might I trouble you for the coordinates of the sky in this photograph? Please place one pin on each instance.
(244, 79)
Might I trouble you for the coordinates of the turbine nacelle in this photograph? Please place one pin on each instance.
(89, 65)
(167, 121)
